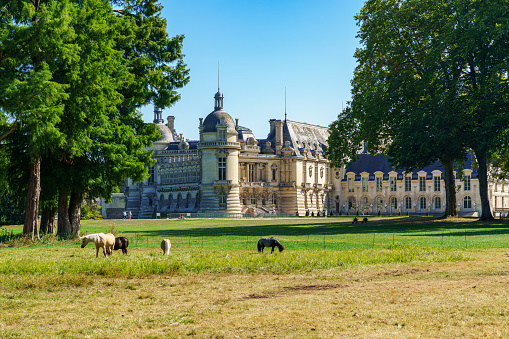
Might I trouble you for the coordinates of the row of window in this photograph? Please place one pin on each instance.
(178, 177)
(437, 203)
(407, 184)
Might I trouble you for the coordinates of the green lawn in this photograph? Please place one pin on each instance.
(299, 234)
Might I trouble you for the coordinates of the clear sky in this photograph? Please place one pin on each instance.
(262, 47)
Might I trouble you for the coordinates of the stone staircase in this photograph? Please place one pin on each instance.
(133, 204)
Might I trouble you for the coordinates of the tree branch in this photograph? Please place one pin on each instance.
(5, 135)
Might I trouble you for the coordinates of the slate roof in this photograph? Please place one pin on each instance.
(380, 162)
(300, 134)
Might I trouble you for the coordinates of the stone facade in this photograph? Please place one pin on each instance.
(230, 171)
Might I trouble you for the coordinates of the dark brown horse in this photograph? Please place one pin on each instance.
(269, 242)
(121, 243)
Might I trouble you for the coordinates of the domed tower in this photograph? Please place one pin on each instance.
(219, 150)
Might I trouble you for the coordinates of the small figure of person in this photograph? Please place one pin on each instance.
(130, 215)
(124, 214)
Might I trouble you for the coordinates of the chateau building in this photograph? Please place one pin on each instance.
(230, 171)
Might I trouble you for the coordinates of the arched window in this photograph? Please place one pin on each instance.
(351, 203)
(394, 203)
(188, 200)
(365, 203)
(253, 199)
(467, 202)
(422, 203)
(438, 203)
(408, 203)
(379, 203)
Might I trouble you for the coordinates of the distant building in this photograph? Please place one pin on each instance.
(230, 171)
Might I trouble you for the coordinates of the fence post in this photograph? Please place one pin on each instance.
(374, 239)
(466, 243)
(324, 241)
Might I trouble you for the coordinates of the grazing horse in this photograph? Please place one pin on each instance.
(364, 221)
(269, 242)
(165, 246)
(106, 241)
(354, 221)
(121, 243)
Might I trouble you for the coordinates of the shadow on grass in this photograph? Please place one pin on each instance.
(310, 226)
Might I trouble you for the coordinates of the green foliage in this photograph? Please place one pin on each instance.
(74, 75)
(90, 210)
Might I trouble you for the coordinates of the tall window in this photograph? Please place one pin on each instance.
(350, 184)
(422, 203)
(221, 165)
(379, 184)
(466, 181)
(408, 184)
(365, 203)
(467, 202)
(274, 171)
(221, 134)
(394, 203)
(251, 173)
(436, 184)
(408, 203)
(364, 182)
(379, 203)
(422, 184)
(351, 203)
(393, 184)
(438, 203)
(222, 201)
(274, 199)
(253, 199)
(151, 173)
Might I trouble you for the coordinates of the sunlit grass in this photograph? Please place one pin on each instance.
(147, 262)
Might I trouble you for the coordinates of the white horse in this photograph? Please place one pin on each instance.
(165, 246)
(106, 241)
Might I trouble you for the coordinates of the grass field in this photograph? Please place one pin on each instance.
(403, 277)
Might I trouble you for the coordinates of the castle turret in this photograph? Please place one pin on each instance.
(219, 150)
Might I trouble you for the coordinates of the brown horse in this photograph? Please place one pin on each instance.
(121, 243)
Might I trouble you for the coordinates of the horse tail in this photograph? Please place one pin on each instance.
(259, 246)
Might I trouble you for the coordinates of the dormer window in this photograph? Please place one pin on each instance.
(221, 134)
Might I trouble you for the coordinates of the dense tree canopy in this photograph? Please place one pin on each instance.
(75, 74)
(411, 96)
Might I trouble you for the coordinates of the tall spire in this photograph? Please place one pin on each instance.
(218, 98)
(285, 104)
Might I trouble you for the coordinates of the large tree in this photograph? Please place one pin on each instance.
(34, 40)
(76, 73)
(410, 98)
(479, 39)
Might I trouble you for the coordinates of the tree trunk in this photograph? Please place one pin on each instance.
(30, 228)
(75, 212)
(450, 189)
(64, 226)
(482, 171)
(48, 220)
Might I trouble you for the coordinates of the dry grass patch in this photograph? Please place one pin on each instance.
(417, 299)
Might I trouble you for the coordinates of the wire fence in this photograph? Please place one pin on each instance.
(449, 239)
(236, 240)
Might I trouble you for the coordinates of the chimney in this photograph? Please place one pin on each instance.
(279, 135)
(171, 123)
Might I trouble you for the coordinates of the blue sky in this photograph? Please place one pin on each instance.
(262, 47)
